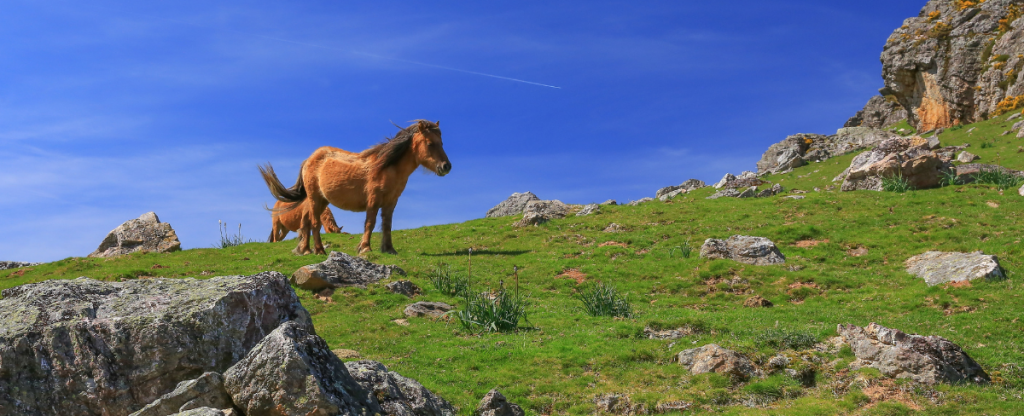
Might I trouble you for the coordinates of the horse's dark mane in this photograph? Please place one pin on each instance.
(391, 150)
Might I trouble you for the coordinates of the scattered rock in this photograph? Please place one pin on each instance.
(743, 182)
(663, 191)
(403, 287)
(588, 210)
(774, 190)
(154, 334)
(1021, 191)
(857, 252)
(514, 205)
(967, 157)
(1013, 117)
(692, 184)
(341, 270)
(495, 404)
(671, 195)
(640, 201)
(904, 157)
(5, 265)
(205, 391)
(539, 212)
(725, 193)
(758, 302)
(610, 202)
(434, 309)
(725, 179)
(937, 267)
(929, 360)
(795, 197)
(293, 372)
(145, 233)
(758, 251)
(878, 113)
(614, 228)
(398, 395)
(618, 404)
(345, 354)
(968, 173)
(751, 192)
(712, 358)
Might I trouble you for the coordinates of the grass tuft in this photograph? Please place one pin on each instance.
(448, 282)
(1001, 179)
(897, 184)
(229, 240)
(604, 300)
(783, 339)
(498, 313)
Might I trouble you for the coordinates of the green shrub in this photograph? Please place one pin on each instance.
(782, 339)
(897, 184)
(448, 282)
(604, 300)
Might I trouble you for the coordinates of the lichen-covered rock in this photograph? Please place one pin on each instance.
(340, 270)
(769, 192)
(514, 205)
(588, 210)
(692, 184)
(937, 267)
(663, 191)
(85, 347)
(205, 391)
(640, 201)
(909, 158)
(495, 404)
(758, 251)
(397, 395)
(924, 359)
(433, 309)
(969, 173)
(539, 212)
(403, 287)
(879, 112)
(145, 233)
(5, 265)
(293, 372)
(966, 157)
(728, 177)
(725, 193)
(712, 358)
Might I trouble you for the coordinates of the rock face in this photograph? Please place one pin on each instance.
(85, 347)
(712, 358)
(539, 212)
(910, 158)
(433, 309)
(403, 287)
(293, 372)
(495, 404)
(514, 205)
(205, 391)
(728, 177)
(799, 149)
(5, 265)
(340, 270)
(145, 233)
(758, 251)
(955, 62)
(930, 359)
(398, 396)
(588, 210)
(937, 267)
(879, 112)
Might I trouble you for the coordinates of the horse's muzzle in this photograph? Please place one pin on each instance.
(444, 168)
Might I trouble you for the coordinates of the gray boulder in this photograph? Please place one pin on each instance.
(514, 205)
(610, 202)
(293, 372)
(692, 184)
(5, 265)
(664, 191)
(397, 395)
(712, 358)
(758, 251)
(539, 212)
(495, 404)
(937, 267)
(743, 182)
(879, 112)
(968, 173)
(403, 287)
(909, 158)
(205, 391)
(671, 195)
(966, 157)
(769, 192)
(85, 347)
(924, 359)
(588, 210)
(341, 270)
(725, 193)
(725, 179)
(751, 192)
(433, 309)
(640, 201)
(145, 233)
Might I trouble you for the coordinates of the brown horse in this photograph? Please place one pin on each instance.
(369, 181)
(287, 217)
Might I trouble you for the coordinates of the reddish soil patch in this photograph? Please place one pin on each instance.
(798, 285)
(886, 390)
(612, 243)
(961, 284)
(157, 266)
(19, 272)
(325, 295)
(574, 274)
(809, 243)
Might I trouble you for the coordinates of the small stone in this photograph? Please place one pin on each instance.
(613, 228)
(937, 267)
(403, 287)
(713, 358)
(588, 210)
(1005, 133)
(640, 201)
(758, 302)
(1021, 191)
(758, 251)
(495, 404)
(795, 197)
(610, 202)
(966, 157)
(341, 270)
(434, 309)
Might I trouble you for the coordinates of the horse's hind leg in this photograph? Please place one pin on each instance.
(316, 209)
(302, 248)
(385, 225)
(371, 221)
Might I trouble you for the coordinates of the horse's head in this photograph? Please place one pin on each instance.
(428, 148)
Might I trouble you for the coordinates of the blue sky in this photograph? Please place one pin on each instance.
(112, 109)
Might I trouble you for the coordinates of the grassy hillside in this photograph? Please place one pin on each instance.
(567, 358)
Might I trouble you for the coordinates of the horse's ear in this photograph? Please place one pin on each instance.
(437, 123)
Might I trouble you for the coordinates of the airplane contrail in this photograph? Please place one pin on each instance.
(313, 45)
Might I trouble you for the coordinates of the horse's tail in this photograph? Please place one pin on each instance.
(296, 193)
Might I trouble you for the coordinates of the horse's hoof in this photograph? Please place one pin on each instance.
(364, 250)
(389, 250)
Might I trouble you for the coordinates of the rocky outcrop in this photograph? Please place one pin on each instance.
(146, 234)
(909, 158)
(670, 195)
(397, 395)
(341, 270)
(5, 265)
(514, 205)
(539, 212)
(799, 149)
(924, 359)
(712, 358)
(205, 391)
(969, 173)
(880, 112)
(85, 347)
(758, 251)
(588, 210)
(293, 372)
(728, 177)
(432, 309)
(403, 287)
(692, 184)
(769, 192)
(495, 404)
(725, 193)
(937, 267)
(955, 62)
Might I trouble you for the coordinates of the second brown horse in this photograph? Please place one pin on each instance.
(287, 217)
(370, 181)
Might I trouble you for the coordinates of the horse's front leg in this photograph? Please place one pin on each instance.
(371, 221)
(385, 225)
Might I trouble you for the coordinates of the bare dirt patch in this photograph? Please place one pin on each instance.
(574, 274)
(612, 243)
(809, 243)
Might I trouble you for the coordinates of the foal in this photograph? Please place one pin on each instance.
(287, 217)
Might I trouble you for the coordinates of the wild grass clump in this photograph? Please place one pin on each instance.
(897, 184)
(949, 178)
(500, 312)
(987, 145)
(772, 388)
(229, 240)
(448, 282)
(605, 300)
(998, 178)
(783, 339)
(685, 251)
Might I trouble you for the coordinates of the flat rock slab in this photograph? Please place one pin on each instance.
(293, 372)
(398, 395)
(145, 233)
(758, 251)
(968, 173)
(495, 404)
(86, 347)
(514, 205)
(403, 287)
(205, 391)
(434, 309)
(937, 267)
(924, 359)
(713, 358)
(340, 270)
(589, 209)
(5, 265)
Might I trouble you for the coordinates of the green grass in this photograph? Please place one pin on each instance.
(569, 357)
(604, 300)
